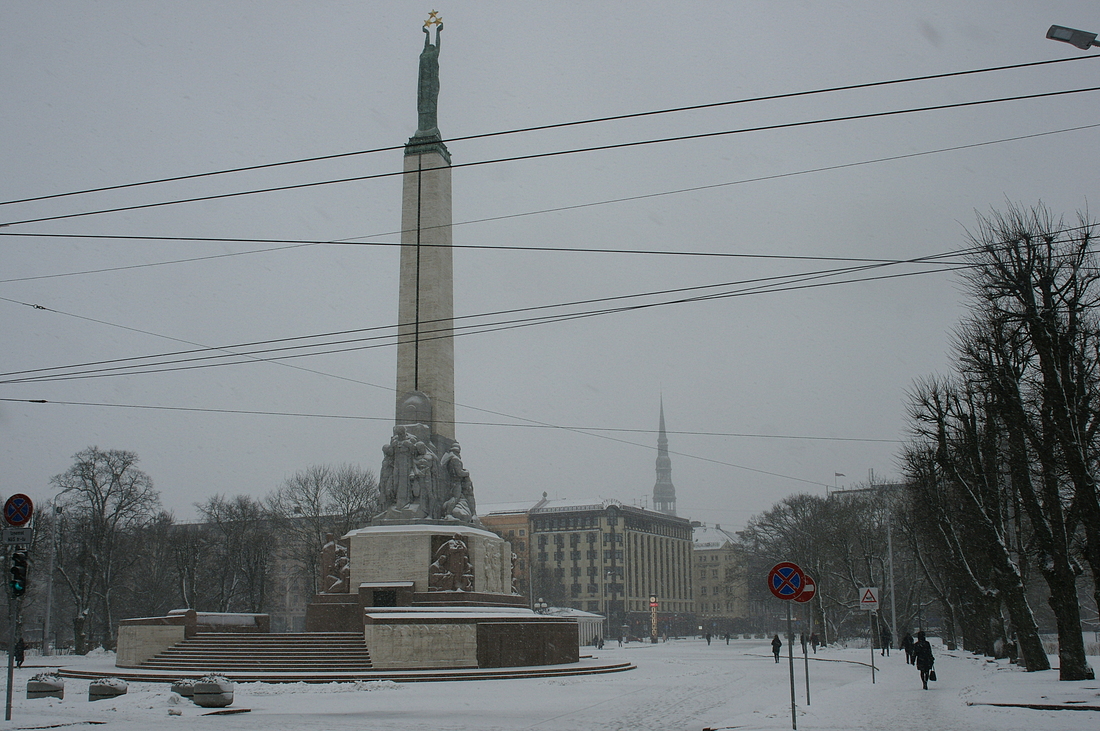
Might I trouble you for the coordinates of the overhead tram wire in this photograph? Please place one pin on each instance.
(560, 125)
(559, 153)
(942, 258)
(772, 283)
(291, 244)
(360, 417)
(472, 329)
(592, 432)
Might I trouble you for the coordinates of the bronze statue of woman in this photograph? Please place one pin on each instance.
(427, 93)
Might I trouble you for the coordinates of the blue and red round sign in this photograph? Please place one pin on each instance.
(18, 510)
(786, 580)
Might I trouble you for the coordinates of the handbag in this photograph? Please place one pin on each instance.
(932, 675)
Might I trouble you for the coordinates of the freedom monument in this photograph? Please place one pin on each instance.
(426, 582)
(424, 586)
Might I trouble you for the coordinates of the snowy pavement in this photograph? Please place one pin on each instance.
(680, 685)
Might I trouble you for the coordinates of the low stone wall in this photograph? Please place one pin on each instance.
(138, 642)
(457, 637)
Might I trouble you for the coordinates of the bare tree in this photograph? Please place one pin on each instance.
(107, 501)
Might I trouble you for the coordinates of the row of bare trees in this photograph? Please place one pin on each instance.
(1002, 468)
(116, 553)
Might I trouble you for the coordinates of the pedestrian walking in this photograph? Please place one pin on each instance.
(907, 645)
(20, 652)
(776, 645)
(887, 639)
(814, 641)
(803, 640)
(922, 650)
(727, 638)
(708, 638)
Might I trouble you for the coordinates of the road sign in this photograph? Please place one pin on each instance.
(18, 510)
(868, 598)
(652, 600)
(17, 536)
(809, 590)
(786, 580)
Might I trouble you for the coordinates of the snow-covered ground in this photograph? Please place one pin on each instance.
(683, 684)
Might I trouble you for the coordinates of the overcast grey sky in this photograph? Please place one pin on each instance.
(790, 386)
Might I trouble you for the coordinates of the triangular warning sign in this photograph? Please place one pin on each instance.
(869, 597)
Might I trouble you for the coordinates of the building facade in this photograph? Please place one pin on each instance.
(610, 558)
(511, 522)
(719, 574)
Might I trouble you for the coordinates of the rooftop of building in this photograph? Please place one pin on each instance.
(711, 537)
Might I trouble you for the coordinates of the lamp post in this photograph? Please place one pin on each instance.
(55, 543)
(1079, 38)
(541, 606)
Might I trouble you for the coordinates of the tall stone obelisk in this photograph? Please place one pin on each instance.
(422, 477)
(425, 351)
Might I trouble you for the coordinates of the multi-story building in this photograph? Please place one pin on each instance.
(611, 558)
(720, 581)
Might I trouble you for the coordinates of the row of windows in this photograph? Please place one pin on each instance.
(616, 555)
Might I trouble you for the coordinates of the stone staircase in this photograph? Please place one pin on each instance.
(240, 653)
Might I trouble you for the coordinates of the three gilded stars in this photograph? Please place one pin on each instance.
(433, 19)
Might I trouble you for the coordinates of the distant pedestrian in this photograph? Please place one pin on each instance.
(803, 640)
(907, 645)
(776, 645)
(925, 661)
(599, 643)
(814, 642)
(620, 640)
(20, 652)
(887, 639)
(727, 638)
(708, 638)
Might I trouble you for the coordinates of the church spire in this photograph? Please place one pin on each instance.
(664, 493)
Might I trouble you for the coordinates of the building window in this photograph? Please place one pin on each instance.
(574, 555)
(559, 555)
(593, 606)
(702, 591)
(522, 532)
(520, 545)
(575, 571)
(591, 537)
(559, 540)
(714, 573)
(592, 555)
(544, 556)
(542, 541)
(575, 589)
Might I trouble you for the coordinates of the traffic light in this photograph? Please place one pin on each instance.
(18, 573)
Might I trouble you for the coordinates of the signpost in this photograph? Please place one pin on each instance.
(809, 591)
(653, 618)
(868, 599)
(18, 510)
(787, 581)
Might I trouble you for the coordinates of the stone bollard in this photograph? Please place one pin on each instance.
(46, 685)
(213, 691)
(184, 687)
(106, 688)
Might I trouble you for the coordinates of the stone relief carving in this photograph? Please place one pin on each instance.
(335, 567)
(451, 570)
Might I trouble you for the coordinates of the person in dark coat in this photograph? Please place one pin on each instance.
(907, 645)
(922, 651)
(814, 641)
(20, 652)
(776, 645)
(887, 640)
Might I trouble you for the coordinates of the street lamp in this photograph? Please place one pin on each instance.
(541, 606)
(1074, 37)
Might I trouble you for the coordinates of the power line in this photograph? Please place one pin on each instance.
(558, 125)
(299, 243)
(558, 153)
(352, 417)
(472, 329)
